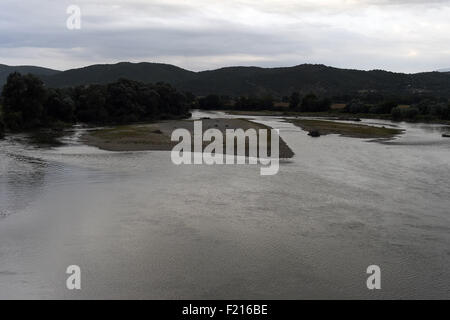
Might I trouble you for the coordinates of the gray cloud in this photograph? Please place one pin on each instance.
(404, 35)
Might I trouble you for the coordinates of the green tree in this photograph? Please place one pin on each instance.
(2, 126)
(411, 113)
(294, 100)
(59, 106)
(212, 101)
(309, 103)
(396, 114)
(23, 101)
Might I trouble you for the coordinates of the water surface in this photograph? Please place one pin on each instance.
(141, 227)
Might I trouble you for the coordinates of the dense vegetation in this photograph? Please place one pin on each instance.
(414, 107)
(28, 104)
(216, 102)
(309, 103)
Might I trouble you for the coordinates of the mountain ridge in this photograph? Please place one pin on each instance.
(5, 70)
(238, 80)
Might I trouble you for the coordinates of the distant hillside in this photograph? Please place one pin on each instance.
(107, 73)
(444, 70)
(235, 81)
(316, 78)
(6, 70)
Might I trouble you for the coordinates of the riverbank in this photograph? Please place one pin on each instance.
(331, 115)
(156, 136)
(288, 113)
(324, 127)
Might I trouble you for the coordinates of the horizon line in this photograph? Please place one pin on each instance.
(441, 70)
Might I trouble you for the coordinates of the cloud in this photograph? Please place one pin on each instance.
(401, 35)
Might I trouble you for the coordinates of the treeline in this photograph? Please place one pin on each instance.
(413, 107)
(425, 109)
(28, 104)
(308, 103)
(216, 102)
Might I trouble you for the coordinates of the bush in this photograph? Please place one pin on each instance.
(356, 106)
(2, 128)
(384, 108)
(254, 103)
(410, 113)
(212, 101)
(311, 103)
(397, 114)
(294, 100)
(13, 121)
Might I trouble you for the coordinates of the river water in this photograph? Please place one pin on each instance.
(141, 227)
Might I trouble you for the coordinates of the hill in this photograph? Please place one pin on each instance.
(107, 73)
(39, 71)
(234, 81)
(315, 78)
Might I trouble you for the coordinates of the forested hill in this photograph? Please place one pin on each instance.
(38, 71)
(107, 73)
(236, 81)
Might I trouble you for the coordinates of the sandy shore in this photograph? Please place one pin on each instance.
(156, 136)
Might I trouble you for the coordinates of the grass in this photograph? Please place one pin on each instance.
(337, 115)
(156, 136)
(346, 129)
(329, 114)
(119, 132)
(132, 137)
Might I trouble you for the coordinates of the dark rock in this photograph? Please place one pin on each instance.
(446, 135)
(349, 119)
(314, 133)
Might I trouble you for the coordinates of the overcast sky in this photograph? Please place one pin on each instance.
(396, 35)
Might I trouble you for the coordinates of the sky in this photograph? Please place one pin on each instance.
(401, 35)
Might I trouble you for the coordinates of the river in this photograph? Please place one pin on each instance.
(141, 227)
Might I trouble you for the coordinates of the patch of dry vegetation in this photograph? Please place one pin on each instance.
(346, 129)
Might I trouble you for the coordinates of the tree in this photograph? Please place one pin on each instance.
(59, 106)
(294, 100)
(2, 128)
(308, 103)
(385, 107)
(90, 104)
(396, 114)
(411, 113)
(23, 101)
(323, 105)
(212, 101)
(356, 106)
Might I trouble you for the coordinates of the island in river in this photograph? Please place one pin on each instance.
(324, 127)
(157, 135)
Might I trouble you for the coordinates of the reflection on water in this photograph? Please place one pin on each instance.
(140, 227)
